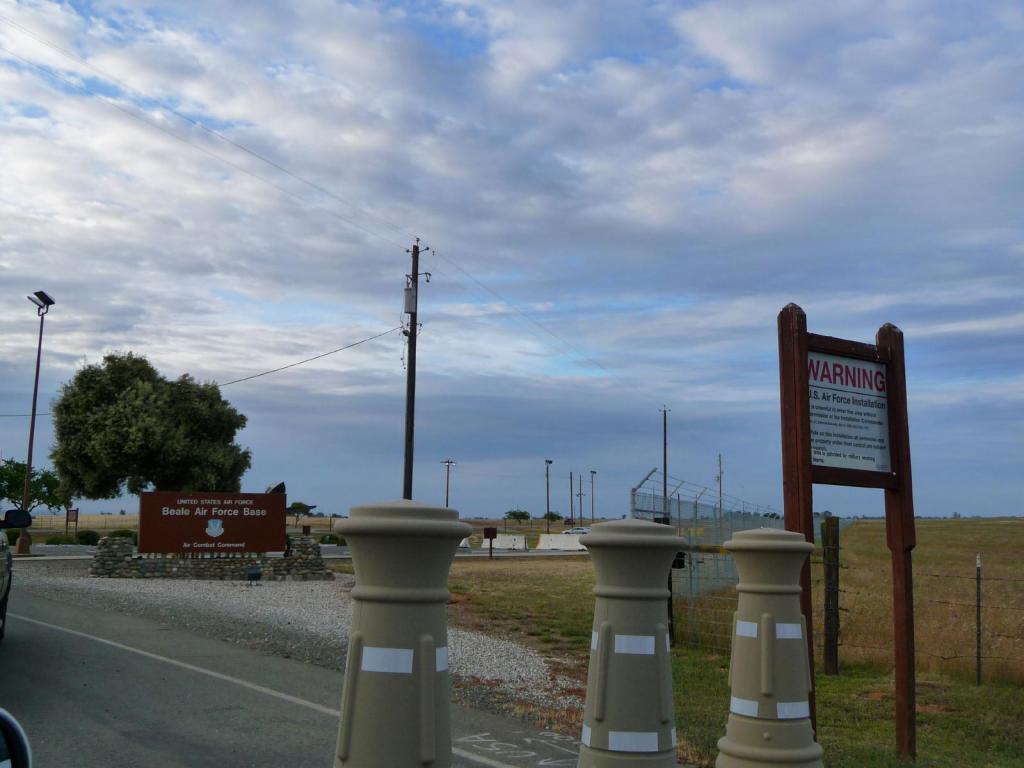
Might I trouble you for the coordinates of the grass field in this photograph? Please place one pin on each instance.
(548, 604)
(944, 596)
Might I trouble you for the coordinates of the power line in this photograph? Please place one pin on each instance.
(309, 359)
(263, 373)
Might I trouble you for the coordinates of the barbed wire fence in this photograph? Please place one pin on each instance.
(966, 624)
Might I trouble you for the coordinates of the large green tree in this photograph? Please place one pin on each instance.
(121, 425)
(44, 487)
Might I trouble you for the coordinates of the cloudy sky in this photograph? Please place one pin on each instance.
(619, 197)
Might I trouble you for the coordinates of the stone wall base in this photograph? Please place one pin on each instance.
(115, 558)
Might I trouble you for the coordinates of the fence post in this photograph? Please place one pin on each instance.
(690, 619)
(977, 619)
(830, 557)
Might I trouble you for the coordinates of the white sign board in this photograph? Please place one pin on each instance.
(849, 413)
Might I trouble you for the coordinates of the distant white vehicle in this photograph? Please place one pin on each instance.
(578, 530)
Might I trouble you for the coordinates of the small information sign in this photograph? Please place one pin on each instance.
(848, 412)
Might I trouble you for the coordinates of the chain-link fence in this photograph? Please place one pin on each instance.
(705, 588)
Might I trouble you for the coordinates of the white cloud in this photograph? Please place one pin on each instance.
(651, 185)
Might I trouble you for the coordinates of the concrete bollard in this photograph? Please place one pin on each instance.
(769, 716)
(628, 719)
(395, 708)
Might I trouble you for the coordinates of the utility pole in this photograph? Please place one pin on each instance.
(720, 508)
(572, 503)
(592, 473)
(547, 493)
(580, 494)
(447, 477)
(664, 460)
(412, 284)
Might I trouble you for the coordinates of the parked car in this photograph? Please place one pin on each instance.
(13, 518)
(5, 582)
(578, 530)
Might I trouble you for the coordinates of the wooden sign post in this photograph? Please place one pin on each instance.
(844, 422)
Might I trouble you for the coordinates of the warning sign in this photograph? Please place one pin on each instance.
(849, 413)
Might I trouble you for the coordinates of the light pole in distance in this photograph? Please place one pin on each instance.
(43, 302)
(592, 473)
(447, 477)
(547, 493)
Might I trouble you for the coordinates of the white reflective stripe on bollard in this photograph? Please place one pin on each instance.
(793, 710)
(740, 706)
(746, 629)
(593, 641)
(393, 660)
(441, 659)
(633, 741)
(638, 645)
(585, 736)
(788, 632)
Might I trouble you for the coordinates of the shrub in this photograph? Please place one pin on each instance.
(60, 538)
(89, 538)
(125, 533)
(12, 535)
(332, 538)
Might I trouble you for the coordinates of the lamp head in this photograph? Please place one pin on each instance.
(548, 461)
(43, 302)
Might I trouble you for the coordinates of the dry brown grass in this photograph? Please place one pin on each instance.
(944, 596)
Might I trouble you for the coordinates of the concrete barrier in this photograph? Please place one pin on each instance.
(516, 541)
(560, 542)
(464, 544)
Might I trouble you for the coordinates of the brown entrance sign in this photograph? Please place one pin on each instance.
(205, 523)
(844, 422)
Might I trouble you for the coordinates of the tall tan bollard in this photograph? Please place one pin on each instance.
(629, 719)
(395, 700)
(769, 716)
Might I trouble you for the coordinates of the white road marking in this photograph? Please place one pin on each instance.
(478, 759)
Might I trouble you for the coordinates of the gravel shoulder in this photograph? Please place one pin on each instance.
(308, 621)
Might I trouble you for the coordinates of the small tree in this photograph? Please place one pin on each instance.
(44, 488)
(517, 515)
(300, 509)
(551, 517)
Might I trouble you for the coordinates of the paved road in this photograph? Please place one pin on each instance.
(103, 690)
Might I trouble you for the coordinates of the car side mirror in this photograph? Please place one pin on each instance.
(16, 518)
(14, 748)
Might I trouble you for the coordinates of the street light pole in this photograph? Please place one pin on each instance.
(43, 303)
(547, 493)
(572, 503)
(447, 477)
(592, 473)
